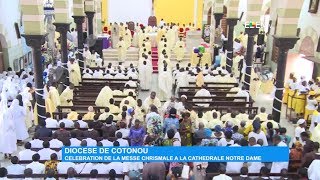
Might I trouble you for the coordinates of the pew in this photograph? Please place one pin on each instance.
(105, 176)
(224, 109)
(212, 92)
(216, 84)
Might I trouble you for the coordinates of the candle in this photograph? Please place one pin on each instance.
(233, 8)
(218, 8)
(61, 10)
(89, 6)
(78, 8)
(33, 17)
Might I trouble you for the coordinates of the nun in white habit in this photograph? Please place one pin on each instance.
(19, 113)
(8, 137)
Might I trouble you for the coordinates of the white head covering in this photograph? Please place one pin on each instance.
(184, 96)
(14, 105)
(301, 121)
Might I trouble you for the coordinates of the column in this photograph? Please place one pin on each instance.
(251, 32)
(252, 29)
(98, 17)
(232, 19)
(284, 44)
(231, 23)
(63, 28)
(79, 20)
(90, 11)
(285, 38)
(78, 16)
(35, 37)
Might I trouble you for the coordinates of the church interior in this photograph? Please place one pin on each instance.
(86, 73)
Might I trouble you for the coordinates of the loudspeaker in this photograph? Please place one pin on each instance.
(16, 26)
(260, 39)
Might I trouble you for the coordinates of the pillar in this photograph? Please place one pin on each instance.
(78, 17)
(35, 42)
(251, 32)
(253, 18)
(79, 21)
(63, 28)
(89, 7)
(35, 35)
(284, 44)
(231, 23)
(232, 19)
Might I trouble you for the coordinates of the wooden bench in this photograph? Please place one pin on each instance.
(216, 88)
(105, 176)
(59, 115)
(217, 98)
(224, 109)
(216, 84)
(213, 92)
(217, 104)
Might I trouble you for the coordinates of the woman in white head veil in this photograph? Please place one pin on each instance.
(19, 114)
(8, 137)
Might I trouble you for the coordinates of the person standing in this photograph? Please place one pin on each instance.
(18, 112)
(74, 72)
(136, 134)
(8, 138)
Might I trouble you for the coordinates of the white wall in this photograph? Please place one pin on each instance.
(129, 10)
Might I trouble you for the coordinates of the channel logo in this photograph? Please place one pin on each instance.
(251, 24)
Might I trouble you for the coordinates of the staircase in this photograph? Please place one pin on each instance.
(155, 58)
(111, 56)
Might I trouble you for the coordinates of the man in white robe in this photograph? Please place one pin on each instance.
(74, 72)
(66, 96)
(145, 74)
(131, 83)
(165, 84)
(104, 96)
(122, 50)
(99, 61)
(278, 166)
(242, 93)
(151, 100)
(314, 168)
(181, 80)
(203, 93)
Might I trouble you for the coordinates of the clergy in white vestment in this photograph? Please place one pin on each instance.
(242, 93)
(19, 113)
(145, 75)
(98, 74)
(120, 75)
(203, 92)
(171, 35)
(99, 61)
(313, 170)
(104, 96)
(181, 80)
(74, 72)
(131, 83)
(151, 100)
(278, 166)
(66, 96)
(165, 84)
(122, 50)
(87, 74)
(8, 137)
(54, 95)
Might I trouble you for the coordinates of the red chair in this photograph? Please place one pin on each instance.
(105, 29)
